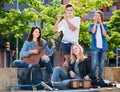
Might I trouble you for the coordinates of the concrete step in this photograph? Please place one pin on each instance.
(76, 90)
(8, 76)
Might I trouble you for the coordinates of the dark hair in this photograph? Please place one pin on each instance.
(30, 37)
(69, 5)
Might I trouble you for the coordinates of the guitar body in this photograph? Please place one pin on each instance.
(34, 58)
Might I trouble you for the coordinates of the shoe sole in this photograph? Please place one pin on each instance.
(46, 86)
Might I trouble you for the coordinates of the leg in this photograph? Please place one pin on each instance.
(59, 73)
(48, 66)
(20, 64)
(66, 52)
(67, 59)
(102, 56)
(94, 62)
(62, 85)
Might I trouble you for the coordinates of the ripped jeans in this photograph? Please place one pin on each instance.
(42, 63)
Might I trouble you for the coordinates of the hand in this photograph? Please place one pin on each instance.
(95, 20)
(72, 74)
(65, 17)
(45, 57)
(35, 51)
(53, 42)
(86, 77)
(59, 17)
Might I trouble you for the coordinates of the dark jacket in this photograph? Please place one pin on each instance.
(84, 68)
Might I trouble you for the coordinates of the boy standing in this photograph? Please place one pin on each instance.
(69, 25)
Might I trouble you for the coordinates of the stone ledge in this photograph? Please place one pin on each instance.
(8, 76)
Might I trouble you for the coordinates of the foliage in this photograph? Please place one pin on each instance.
(82, 7)
(15, 23)
(84, 36)
(114, 32)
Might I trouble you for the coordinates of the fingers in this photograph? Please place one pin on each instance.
(45, 57)
(72, 74)
(59, 17)
(53, 42)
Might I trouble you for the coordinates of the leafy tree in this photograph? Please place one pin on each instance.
(15, 23)
(82, 7)
(114, 32)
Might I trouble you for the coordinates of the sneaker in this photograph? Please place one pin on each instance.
(46, 86)
(49, 84)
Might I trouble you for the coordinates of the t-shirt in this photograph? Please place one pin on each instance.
(77, 72)
(98, 37)
(68, 34)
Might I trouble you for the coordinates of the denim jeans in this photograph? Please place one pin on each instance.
(98, 58)
(65, 80)
(43, 63)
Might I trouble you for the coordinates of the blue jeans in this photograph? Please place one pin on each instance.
(42, 63)
(98, 58)
(65, 80)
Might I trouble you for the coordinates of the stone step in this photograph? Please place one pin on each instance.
(8, 76)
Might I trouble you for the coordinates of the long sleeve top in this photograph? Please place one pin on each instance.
(30, 45)
(84, 68)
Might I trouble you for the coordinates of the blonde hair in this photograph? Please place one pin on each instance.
(81, 54)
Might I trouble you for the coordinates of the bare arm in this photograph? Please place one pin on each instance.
(103, 29)
(59, 17)
(93, 29)
(95, 23)
(71, 26)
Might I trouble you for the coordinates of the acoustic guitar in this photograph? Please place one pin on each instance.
(34, 58)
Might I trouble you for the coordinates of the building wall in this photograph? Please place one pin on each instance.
(65, 2)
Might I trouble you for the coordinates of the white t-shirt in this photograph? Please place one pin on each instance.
(68, 34)
(98, 37)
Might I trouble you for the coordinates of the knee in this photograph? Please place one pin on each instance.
(57, 69)
(15, 62)
(47, 60)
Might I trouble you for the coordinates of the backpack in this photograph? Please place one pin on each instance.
(33, 77)
(36, 75)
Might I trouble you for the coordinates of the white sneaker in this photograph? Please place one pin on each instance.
(46, 86)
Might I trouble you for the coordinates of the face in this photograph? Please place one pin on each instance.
(36, 33)
(75, 50)
(97, 16)
(69, 11)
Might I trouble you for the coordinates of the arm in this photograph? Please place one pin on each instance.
(93, 29)
(88, 68)
(49, 52)
(70, 25)
(104, 31)
(59, 17)
(24, 50)
(94, 26)
(71, 72)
